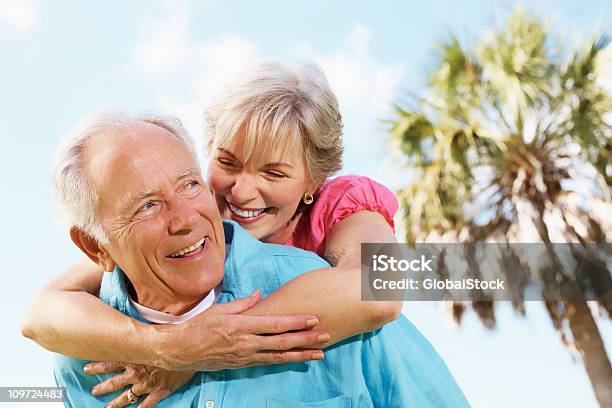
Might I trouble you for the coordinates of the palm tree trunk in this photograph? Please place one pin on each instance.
(590, 345)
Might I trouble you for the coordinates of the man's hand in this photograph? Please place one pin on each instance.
(151, 384)
(221, 338)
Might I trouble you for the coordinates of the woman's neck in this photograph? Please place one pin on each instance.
(284, 234)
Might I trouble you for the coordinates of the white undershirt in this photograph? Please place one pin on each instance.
(155, 316)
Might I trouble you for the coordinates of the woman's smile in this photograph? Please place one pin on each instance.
(244, 215)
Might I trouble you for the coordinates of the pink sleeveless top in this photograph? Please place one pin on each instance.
(337, 199)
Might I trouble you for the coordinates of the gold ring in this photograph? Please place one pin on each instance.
(131, 397)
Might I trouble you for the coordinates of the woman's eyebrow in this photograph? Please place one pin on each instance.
(271, 164)
(222, 150)
(275, 164)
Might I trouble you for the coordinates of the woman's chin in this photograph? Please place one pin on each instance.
(261, 229)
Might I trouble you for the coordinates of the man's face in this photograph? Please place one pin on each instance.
(161, 219)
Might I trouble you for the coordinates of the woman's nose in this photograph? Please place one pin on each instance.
(244, 188)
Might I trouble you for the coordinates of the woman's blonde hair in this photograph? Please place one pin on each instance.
(278, 106)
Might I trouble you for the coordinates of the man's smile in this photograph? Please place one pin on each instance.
(190, 250)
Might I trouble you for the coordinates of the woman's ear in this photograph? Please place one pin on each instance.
(92, 248)
(312, 187)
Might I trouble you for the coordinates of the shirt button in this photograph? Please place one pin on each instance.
(210, 404)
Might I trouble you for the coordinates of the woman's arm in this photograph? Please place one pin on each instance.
(334, 294)
(331, 294)
(61, 319)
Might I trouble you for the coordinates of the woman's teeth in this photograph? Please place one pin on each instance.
(245, 214)
(188, 250)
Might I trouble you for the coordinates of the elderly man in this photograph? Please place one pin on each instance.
(157, 228)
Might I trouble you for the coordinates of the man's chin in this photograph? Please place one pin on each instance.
(200, 290)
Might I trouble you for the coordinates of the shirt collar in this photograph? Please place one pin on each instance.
(249, 265)
(155, 316)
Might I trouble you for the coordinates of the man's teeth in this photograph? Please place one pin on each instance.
(245, 214)
(187, 250)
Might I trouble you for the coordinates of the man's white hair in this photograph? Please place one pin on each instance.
(75, 197)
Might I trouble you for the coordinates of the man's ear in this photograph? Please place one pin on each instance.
(92, 248)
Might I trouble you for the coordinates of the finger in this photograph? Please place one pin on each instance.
(291, 356)
(112, 384)
(239, 305)
(120, 401)
(103, 367)
(152, 399)
(142, 388)
(277, 324)
(292, 340)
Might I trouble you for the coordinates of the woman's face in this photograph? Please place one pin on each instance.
(262, 198)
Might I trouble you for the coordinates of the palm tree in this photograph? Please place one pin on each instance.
(513, 139)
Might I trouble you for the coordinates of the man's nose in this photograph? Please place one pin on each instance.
(183, 217)
(244, 189)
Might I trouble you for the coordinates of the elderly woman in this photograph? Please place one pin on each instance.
(273, 137)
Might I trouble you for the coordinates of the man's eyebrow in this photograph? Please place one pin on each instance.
(193, 171)
(129, 203)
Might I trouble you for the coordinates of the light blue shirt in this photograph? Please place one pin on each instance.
(392, 367)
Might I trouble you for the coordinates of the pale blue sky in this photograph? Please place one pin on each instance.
(63, 59)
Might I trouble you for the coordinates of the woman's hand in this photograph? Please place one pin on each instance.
(151, 383)
(222, 338)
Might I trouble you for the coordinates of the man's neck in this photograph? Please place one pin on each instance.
(157, 317)
(173, 305)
